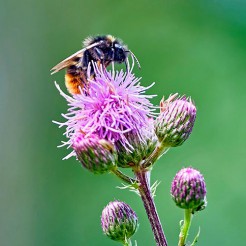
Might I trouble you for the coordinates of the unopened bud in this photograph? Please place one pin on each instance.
(175, 122)
(96, 155)
(188, 189)
(140, 145)
(119, 222)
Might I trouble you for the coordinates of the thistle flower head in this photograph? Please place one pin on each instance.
(95, 154)
(119, 222)
(114, 106)
(176, 120)
(188, 189)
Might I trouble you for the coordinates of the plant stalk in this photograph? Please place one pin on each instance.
(157, 153)
(128, 242)
(123, 177)
(185, 227)
(143, 177)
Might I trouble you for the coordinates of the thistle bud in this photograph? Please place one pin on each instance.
(140, 145)
(95, 154)
(175, 122)
(119, 222)
(188, 189)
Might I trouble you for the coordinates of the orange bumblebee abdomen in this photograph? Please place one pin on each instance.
(75, 83)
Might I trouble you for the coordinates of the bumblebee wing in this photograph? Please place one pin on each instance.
(71, 59)
(67, 62)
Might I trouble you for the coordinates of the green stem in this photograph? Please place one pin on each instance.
(185, 227)
(128, 242)
(123, 177)
(156, 154)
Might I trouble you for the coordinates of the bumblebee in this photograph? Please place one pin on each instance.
(102, 50)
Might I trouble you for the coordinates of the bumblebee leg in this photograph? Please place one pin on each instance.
(127, 65)
(85, 60)
(99, 55)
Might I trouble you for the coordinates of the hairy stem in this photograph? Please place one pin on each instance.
(148, 201)
(123, 177)
(128, 242)
(156, 154)
(185, 227)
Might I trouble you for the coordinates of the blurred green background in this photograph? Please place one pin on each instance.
(197, 48)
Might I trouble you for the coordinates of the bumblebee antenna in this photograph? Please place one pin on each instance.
(132, 54)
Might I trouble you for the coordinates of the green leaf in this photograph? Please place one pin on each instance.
(196, 238)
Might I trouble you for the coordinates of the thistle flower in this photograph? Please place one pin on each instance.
(176, 120)
(119, 222)
(95, 154)
(188, 189)
(114, 106)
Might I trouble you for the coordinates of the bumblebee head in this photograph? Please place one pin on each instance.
(119, 53)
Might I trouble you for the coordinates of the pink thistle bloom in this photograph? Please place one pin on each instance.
(114, 106)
